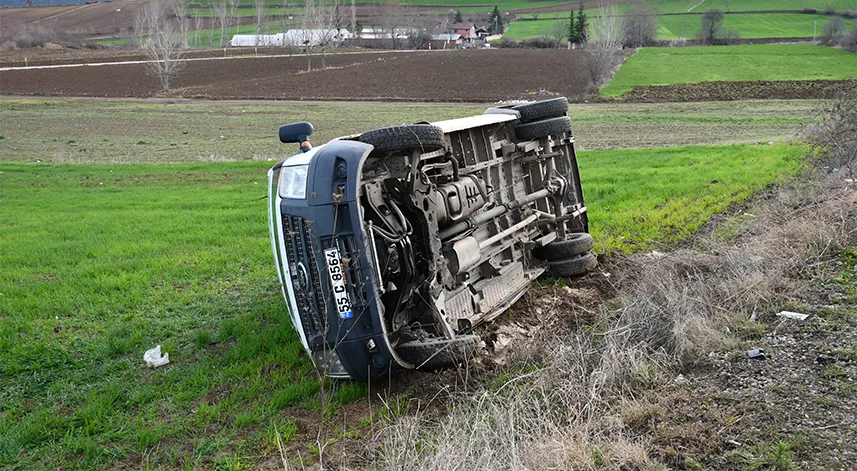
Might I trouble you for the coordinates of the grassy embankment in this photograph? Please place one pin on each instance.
(669, 66)
(102, 261)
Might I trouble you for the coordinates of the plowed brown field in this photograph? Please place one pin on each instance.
(467, 75)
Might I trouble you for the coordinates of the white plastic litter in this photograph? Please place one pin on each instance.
(793, 315)
(154, 359)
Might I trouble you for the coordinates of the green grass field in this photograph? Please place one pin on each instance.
(101, 262)
(749, 26)
(531, 28)
(667, 66)
(117, 132)
(639, 196)
(680, 6)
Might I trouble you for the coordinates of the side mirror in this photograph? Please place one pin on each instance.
(297, 132)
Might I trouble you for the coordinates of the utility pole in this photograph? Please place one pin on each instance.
(814, 28)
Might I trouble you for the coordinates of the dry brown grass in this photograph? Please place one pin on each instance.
(570, 397)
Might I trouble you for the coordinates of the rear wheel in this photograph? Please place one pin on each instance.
(543, 128)
(574, 266)
(425, 137)
(542, 109)
(434, 354)
(575, 244)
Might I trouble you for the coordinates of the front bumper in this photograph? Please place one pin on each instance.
(301, 230)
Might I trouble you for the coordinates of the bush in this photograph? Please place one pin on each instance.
(832, 30)
(640, 26)
(539, 42)
(419, 39)
(835, 140)
(849, 41)
(808, 10)
(850, 14)
(508, 43)
(830, 9)
(711, 28)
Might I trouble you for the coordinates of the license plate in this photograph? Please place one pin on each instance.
(337, 280)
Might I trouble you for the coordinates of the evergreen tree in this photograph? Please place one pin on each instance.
(572, 28)
(495, 20)
(458, 17)
(582, 25)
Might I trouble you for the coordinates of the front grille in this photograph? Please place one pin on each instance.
(313, 296)
(306, 282)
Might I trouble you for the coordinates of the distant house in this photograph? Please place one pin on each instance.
(481, 33)
(466, 30)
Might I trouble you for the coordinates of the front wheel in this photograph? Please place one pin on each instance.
(575, 244)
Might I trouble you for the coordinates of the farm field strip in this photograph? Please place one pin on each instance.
(106, 261)
(748, 25)
(104, 132)
(479, 75)
(771, 62)
(681, 6)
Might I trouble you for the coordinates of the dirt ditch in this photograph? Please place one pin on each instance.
(684, 393)
(729, 91)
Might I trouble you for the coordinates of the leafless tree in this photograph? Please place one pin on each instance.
(221, 14)
(234, 19)
(392, 16)
(284, 22)
(260, 17)
(727, 4)
(307, 27)
(640, 25)
(329, 19)
(197, 28)
(835, 138)
(712, 26)
(605, 43)
(558, 31)
(421, 32)
(180, 8)
(139, 28)
(832, 30)
(165, 44)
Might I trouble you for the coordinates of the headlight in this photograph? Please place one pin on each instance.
(293, 182)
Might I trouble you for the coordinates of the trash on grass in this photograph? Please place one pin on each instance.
(154, 359)
(756, 354)
(793, 315)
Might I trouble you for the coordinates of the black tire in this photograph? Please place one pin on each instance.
(414, 136)
(575, 266)
(543, 128)
(542, 109)
(575, 244)
(436, 354)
